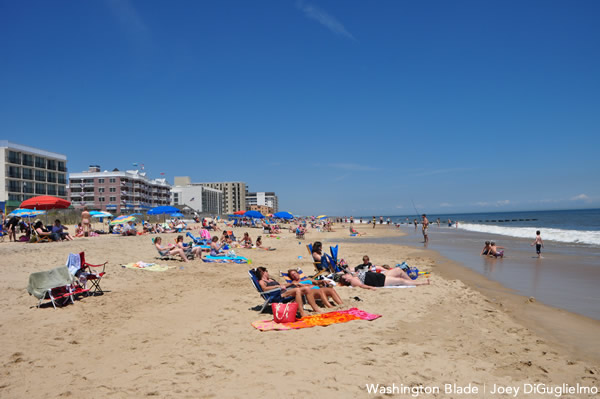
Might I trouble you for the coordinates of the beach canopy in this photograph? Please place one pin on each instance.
(321, 217)
(254, 215)
(177, 215)
(25, 213)
(239, 212)
(45, 202)
(283, 215)
(123, 219)
(162, 210)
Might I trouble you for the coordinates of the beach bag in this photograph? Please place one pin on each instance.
(413, 273)
(284, 312)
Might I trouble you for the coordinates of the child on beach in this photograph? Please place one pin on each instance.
(495, 250)
(539, 244)
(486, 249)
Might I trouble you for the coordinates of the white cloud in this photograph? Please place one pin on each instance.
(328, 21)
(445, 205)
(580, 197)
(502, 202)
(399, 207)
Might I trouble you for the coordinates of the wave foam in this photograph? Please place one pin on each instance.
(568, 236)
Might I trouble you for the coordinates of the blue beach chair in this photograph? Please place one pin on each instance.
(271, 296)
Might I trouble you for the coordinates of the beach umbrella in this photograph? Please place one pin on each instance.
(283, 215)
(122, 219)
(254, 215)
(162, 210)
(321, 217)
(239, 212)
(25, 213)
(177, 215)
(45, 202)
(100, 214)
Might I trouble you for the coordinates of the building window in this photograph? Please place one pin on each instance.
(112, 199)
(40, 163)
(112, 190)
(27, 159)
(100, 199)
(51, 189)
(62, 179)
(40, 188)
(51, 177)
(100, 189)
(40, 175)
(61, 166)
(51, 164)
(112, 180)
(27, 174)
(100, 180)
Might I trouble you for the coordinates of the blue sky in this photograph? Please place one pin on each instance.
(340, 107)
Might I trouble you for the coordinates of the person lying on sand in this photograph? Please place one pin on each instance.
(368, 266)
(288, 290)
(371, 280)
(169, 250)
(324, 291)
(260, 246)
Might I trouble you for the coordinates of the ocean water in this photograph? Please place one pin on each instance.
(580, 226)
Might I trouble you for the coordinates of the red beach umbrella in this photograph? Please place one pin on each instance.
(239, 212)
(45, 202)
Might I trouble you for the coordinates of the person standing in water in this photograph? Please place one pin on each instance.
(539, 244)
(425, 224)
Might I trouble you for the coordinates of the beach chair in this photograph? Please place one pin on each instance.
(55, 285)
(93, 274)
(321, 268)
(299, 234)
(36, 238)
(271, 296)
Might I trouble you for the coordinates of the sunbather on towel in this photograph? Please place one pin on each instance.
(324, 291)
(260, 246)
(288, 290)
(196, 251)
(215, 247)
(371, 280)
(169, 250)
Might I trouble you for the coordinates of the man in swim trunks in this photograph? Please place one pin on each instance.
(86, 221)
(425, 224)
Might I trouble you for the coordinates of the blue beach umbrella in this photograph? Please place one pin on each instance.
(283, 215)
(177, 215)
(163, 210)
(254, 215)
(99, 214)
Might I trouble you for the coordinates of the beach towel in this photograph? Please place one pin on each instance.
(41, 282)
(153, 267)
(324, 319)
(226, 259)
(74, 263)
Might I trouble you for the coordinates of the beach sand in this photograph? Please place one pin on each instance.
(186, 332)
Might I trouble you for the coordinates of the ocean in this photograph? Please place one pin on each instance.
(580, 226)
(567, 277)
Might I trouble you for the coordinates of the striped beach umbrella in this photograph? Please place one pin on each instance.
(25, 212)
(123, 219)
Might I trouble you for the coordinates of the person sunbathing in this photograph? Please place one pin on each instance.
(354, 231)
(259, 245)
(371, 280)
(196, 251)
(317, 251)
(41, 231)
(215, 247)
(288, 290)
(79, 230)
(368, 266)
(324, 290)
(169, 250)
(246, 241)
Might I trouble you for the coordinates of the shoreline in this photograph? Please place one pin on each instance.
(572, 331)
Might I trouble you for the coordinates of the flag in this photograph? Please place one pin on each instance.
(193, 198)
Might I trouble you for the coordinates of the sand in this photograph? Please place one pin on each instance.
(186, 332)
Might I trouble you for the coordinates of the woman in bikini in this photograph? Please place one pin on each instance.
(287, 290)
(371, 280)
(196, 251)
(86, 221)
(169, 250)
(320, 288)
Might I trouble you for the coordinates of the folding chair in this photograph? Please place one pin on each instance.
(271, 296)
(320, 267)
(94, 277)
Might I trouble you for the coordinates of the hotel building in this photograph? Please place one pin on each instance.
(200, 199)
(266, 199)
(117, 191)
(27, 172)
(234, 193)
